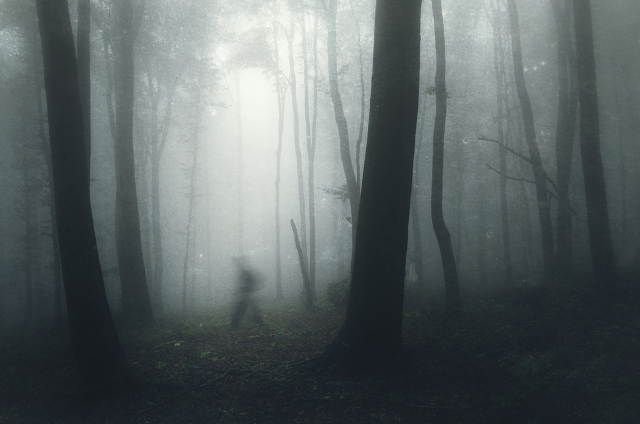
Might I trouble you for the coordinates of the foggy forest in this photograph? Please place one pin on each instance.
(331, 210)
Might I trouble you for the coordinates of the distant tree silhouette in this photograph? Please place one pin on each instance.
(341, 120)
(544, 207)
(453, 303)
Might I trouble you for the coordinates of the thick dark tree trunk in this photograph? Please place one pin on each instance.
(100, 357)
(46, 149)
(565, 133)
(341, 120)
(83, 51)
(602, 255)
(453, 303)
(544, 207)
(136, 303)
(370, 339)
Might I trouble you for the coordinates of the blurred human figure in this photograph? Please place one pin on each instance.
(247, 285)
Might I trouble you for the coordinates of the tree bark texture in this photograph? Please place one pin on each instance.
(544, 207)
(601, 243)
(370, 339)
(96, 345)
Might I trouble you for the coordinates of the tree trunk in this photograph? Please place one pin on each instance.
(29, 229)
(499, 69)
(453, 303)
(544, 207)
(280, 92)
(192, 195)
(460, 179)
(341, 120)
(362, 98)
(189, 224)
(46, 149)
(296, 133)
(83, 52)
(311, 146)
(136, 303)
(415, 207)
(565, 133)
(482, 239)
(110, 85)
(208, 233)
(236, 79)
(100, 357)
(306, 284)
(370, 339)
(158, 137)
(601, 243)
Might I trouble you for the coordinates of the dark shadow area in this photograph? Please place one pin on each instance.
(532, 356)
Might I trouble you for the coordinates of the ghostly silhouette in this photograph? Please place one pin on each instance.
(248, 284)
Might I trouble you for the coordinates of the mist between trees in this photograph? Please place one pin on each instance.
(213, 124)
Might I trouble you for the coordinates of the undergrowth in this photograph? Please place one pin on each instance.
(531, 356)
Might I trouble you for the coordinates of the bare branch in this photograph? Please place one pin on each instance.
(552, 194)
(520, 155)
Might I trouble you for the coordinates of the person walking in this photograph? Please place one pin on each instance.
(248, 284)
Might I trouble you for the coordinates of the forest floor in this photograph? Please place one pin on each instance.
(535, 356)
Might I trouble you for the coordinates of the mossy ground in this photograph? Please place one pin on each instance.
(533, 356)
